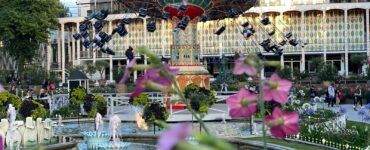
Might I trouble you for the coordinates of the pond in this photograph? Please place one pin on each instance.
(225, 129)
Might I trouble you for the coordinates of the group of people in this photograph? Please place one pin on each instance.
(47, 88)
(334, 95)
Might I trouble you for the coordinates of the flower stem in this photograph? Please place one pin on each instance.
(262, 110)
(187, 102)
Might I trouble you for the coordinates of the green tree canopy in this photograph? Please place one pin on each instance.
(24, 24)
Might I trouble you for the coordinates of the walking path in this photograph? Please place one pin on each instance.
(352, 115)
(220, 112)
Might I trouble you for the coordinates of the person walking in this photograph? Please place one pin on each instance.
(340, 95)
(331, 95)
(224, 87)
(358, 97)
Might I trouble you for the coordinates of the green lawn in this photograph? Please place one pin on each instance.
(301, 146)
(361, 125)
(290, 144)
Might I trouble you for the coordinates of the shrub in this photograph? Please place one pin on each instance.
(285, 73)
(26, 108)
(33, 109)
(77, 96)
(200, 98)
(155, 111)
(65, 111)
(92, 112)
(103, 89)
(44, 103)
(88, 102)
(141, 100)
(39, 112)
(101, 104)
(327, 73)
(7, 98)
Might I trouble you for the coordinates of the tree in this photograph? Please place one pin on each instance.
(225, 76)
(357, 60)
(24, 25)
(328, 73)
(100, 66)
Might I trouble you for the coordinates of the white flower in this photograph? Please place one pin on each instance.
(306, 106)
(316, 99)
(301, 91)
(297, 101)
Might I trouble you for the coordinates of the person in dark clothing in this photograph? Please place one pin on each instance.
(312, 92)
(331, 95)
(358, 97)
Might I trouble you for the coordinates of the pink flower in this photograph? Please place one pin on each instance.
(154, 78)
(282, 123)
(244, 65)
(276, 89)
(242, 104)
(127, 72)
(169, 138)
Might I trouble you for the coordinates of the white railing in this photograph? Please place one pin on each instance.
(117, 102)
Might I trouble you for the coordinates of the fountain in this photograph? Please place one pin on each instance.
(13, 136)
(99, 139)
(98, 122)
(140, 122)
(60, 119)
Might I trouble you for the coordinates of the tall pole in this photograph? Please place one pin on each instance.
(63, 54)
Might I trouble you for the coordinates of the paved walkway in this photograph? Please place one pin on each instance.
(352, 115)
(217, 112)
(220, 112)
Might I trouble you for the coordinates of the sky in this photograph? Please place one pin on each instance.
(71, 4)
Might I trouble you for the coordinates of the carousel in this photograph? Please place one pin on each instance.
(184, 15)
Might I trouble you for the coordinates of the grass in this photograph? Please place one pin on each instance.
(299, 146)
(361, 125)
(290, 144)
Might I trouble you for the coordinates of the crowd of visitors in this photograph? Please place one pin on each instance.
(335, 94)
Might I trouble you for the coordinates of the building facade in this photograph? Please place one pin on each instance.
(331, 29)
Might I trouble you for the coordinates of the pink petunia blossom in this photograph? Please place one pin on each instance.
(242, 104)
(169, 138)
(276, 89)
(127, 72)
(282, 123)
(158, 77)
(244, 65)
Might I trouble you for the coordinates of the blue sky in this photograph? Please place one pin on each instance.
(71, 4)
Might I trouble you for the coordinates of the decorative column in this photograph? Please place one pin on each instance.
(282, 61)
(346, 42)
(303, 56)
(78, 46)
(59, 50)
(367, 34)
(220, 40)
(163, 35)
(73, 47)
(49, 55)
(324, 27)
(93, 50)
(110, 56)
(69, 47)
(63, 54)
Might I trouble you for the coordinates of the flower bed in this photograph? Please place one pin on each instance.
(327, 133)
